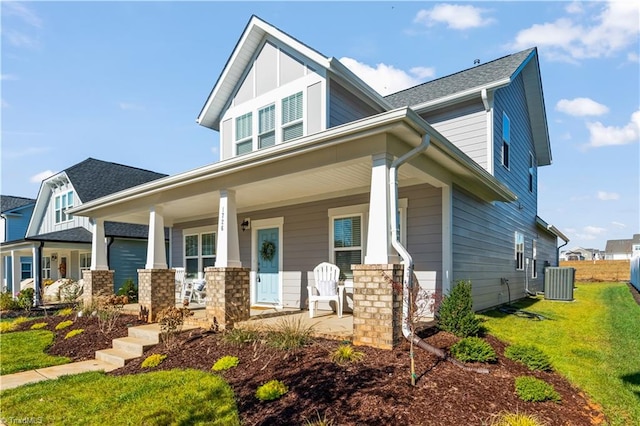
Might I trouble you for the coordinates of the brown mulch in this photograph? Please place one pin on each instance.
(375, 391)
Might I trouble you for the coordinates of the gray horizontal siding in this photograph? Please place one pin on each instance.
(465, 126)
(345, 107)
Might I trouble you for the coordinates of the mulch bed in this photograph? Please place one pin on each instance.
(374, 391)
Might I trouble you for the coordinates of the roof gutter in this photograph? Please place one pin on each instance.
(458, 96)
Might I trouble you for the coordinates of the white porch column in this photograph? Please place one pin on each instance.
(156, 252)
(228, 247)
(16, 272)
(379, 249)
(99, 261)
(3, 281)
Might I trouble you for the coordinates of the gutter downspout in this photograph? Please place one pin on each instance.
(407, 260)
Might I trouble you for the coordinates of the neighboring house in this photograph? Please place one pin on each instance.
(580, 253)
(306, 153)
(623, 249)
(61, 242)
(15, 213)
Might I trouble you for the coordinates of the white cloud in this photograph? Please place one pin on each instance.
(19, 39)
(26, 152)
(37, 178)
(590, 232)
(633, 57)
(581, 107)
(386, 79)
(608, 196)
(19, 9)
(8, 77)
(582, 36)
(619, 225)
(128, 106)
(456, 17)
(574, 7)
(601, 135)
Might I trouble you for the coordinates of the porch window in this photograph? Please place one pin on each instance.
(534, 260)
(244, 131)
(62, 202)
(266, 126)
(25, 270)
(519, 251)
(347, 243)
(85, 263)
(46, 267)
(199, 252)
(506, 139)
(292, 124)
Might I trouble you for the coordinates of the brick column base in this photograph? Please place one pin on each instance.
(227, 298)
(96, 283)
(156, 291)
(377, 306)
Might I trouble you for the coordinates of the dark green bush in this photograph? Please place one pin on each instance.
(130, 290)
(530, 356)
(535, 390)
(25, 298)
(456, 315)
(473, 349)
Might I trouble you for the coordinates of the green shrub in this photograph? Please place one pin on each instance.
(25, 298)
(74, 333)
(473, 349)
(130, 290)
(455, 313)
(38, 325)
(64, 312)
(535, 390)
(345, 354)
(153, 361)
(516, 419)
(7, 302)
(7, 326)
(289, 334)
(271, 390)
(240, 335)
(225, 363)
(64, 324)
(530, 356)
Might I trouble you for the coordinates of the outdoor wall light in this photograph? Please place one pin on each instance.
(246, 224)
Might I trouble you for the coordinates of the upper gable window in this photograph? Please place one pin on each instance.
(267, 126)
(292, 124)
(63, 202)
(506, 139)
(532, 165)
(244, 131)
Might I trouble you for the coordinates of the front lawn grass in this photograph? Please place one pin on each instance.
(180, 397)
(594, 341)
(24, 350)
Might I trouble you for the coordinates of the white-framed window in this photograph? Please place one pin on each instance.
(519, 251)
(347, 243)
(534, 259)
(292, 123)
(46, 267)
(85, 263)
(506, 139)
(532, 165)
(199, 251)
(62, 202)
(244, 132)
(267, 126)
(25, 270)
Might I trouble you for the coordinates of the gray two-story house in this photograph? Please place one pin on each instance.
(317, 166)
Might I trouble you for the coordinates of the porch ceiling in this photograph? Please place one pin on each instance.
(324, 182)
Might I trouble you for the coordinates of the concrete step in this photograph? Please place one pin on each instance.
(149, 332)
(115, 356)
(135, 345)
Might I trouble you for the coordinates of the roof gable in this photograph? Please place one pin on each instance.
(492, 75)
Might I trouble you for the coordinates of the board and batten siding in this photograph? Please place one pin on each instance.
(344, 107)
(465, 126)
(48, 220)
(16, 224)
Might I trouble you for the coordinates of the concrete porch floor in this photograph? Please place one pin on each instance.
(325, 324)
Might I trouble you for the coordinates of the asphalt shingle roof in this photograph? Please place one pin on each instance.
(111, 229)
(480, 75)
(96, 178)
(8, 202)
(622, 246)
(73, 235)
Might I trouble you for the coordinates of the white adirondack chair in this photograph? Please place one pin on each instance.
(326, 287)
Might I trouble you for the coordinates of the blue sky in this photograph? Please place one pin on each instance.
(124, 82)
